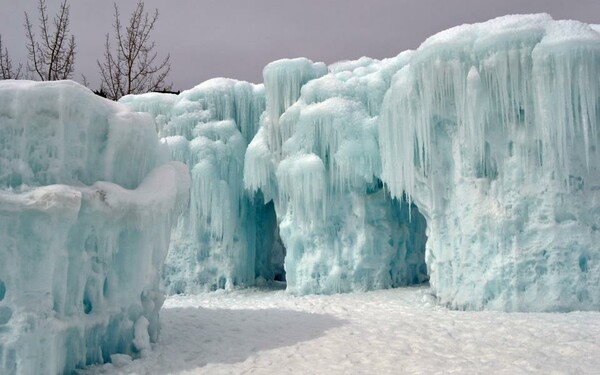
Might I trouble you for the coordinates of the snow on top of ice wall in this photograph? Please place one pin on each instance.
(86, 206)
(326, 139)
(283, 80)
(213, 100)
(51, 136)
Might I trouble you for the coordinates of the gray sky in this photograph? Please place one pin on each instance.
(237, 38)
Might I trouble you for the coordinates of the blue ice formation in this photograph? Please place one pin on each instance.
(492, 130)
(318, 159)
(471, 161)
(208, 128)
(86, 204)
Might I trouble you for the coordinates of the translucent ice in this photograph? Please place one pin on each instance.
(320, 163)
(86, 202)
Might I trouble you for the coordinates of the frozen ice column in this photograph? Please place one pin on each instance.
(85, 218)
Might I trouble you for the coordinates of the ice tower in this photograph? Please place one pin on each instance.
(317, 156)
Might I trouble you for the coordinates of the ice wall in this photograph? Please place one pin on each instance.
(86, 203)
(224, 237)
(317, 156)
(482, 142)
(492, 130)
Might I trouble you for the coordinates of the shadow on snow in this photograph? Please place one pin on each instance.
(194, 337)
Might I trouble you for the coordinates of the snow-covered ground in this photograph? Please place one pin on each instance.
(382, 332)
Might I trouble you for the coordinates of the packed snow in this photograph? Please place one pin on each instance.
(397, 331)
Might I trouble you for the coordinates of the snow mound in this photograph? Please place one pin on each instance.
(271, 332)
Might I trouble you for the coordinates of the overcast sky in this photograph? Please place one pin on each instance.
(237, 38)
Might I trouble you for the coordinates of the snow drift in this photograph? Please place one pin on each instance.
(86, 204)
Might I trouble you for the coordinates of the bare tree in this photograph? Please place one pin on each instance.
(6, 67)
(133, 67)
(53, 57)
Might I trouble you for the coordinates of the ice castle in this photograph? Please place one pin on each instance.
(471, 163)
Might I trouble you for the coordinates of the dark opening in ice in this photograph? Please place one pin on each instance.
(270, 251)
